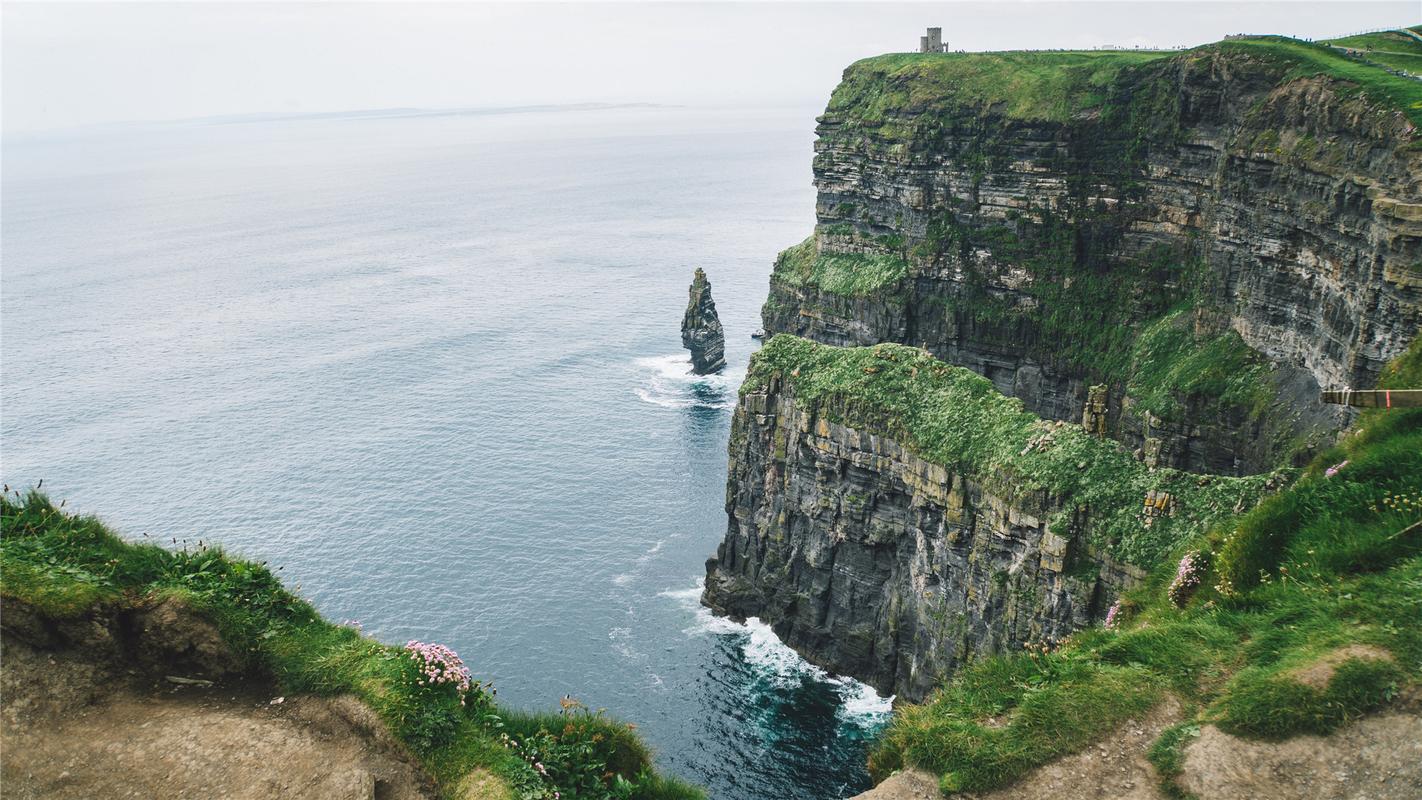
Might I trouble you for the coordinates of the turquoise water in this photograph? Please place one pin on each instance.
(431, 366)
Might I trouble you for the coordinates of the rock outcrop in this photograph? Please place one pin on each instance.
(873, 559)
(1034, 241)
(701, 331)
(150, 702)
(1375, 758)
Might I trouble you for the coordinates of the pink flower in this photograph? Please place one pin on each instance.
(439, 665)
(1110, 623)
(1333, 470)
(1187, 577)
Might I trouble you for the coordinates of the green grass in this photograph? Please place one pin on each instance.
(1167, 755)
(64, 565)
(887, 91)
(1389, 48)
(846, 274)
(1170, 364)
(954, 417)
(1022, 85)
(1335, 563)
(1306, 59)
(1388, 41)
(1049, 702)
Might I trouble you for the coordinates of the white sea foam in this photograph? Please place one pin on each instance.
(621, 639)
(651, 552)
(860, 704)
(670, 383)
(622, 580)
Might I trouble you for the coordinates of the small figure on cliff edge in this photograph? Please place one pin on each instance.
(701, 331)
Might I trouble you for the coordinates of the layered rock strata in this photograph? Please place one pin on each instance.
(1031, 245)
(701, 331)
(873, 560)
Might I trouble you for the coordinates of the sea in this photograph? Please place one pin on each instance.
(428, 365)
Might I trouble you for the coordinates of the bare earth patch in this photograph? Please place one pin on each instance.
(76, 729)
(1115, 767)
(910, 784)
(1318, 673)
(1376, 758)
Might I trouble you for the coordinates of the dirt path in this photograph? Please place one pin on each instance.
(74, 729)
(1376, 758)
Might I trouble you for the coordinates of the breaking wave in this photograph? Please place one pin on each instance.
(670, 383)
(780, 666)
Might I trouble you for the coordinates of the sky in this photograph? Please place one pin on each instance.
(77, 64)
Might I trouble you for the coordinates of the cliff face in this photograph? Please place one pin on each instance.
(875, 551)
(1033, 245)
(884, 565)
(1164, 257)
(701, 331)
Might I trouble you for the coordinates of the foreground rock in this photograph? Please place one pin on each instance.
(701, 331)
(103, 707)
(1375, 758)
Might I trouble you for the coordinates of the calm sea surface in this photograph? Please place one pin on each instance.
(431, 365)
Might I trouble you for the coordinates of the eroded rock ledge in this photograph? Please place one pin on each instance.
(148, 701)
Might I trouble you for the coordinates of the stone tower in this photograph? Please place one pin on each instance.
(933, 42)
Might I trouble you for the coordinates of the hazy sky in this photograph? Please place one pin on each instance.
(68, 64)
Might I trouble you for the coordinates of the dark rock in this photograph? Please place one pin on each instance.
(701, 329)
(872, 562)
(1286, 210)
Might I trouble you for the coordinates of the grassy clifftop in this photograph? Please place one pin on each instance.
(65, 566)
(1295, 617)
(1027, 85)
(1054, 86)
(954, 417)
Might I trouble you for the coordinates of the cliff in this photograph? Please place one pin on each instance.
(892, 516)
(1028, 451)
(701, 331)
(1211, 235)
(133, 669)
(1277, 655)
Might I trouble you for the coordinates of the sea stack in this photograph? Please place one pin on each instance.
(701, 331)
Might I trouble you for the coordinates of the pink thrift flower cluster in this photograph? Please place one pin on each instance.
(1187, 577)
(439, 665)
(1333, 470)
(1110, 623)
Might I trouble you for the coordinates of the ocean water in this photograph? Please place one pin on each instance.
(430, 365)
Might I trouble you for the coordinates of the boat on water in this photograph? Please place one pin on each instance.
(758, 334)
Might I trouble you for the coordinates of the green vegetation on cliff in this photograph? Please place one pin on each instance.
(1170, 363)
(847, 274)
(1027, 85)
(64, 566)
(1055, 86)
(1294, 617)
(954, 417)
(1307, 59)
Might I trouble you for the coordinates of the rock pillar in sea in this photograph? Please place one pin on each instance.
(701, 329)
